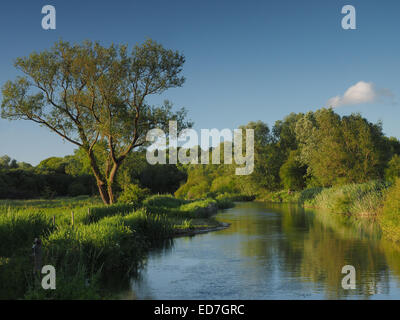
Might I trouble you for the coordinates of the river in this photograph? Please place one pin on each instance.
(273, 252)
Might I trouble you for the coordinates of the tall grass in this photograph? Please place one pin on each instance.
(353, 199)
(70, 286)
(101, 239)
(174, 207)
(390, 217)
(18, 230)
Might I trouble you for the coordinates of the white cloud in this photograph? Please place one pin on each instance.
(361, 92)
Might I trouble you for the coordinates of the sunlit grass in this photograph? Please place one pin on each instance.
(82, 234)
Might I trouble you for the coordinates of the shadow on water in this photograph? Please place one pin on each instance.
(272, 252)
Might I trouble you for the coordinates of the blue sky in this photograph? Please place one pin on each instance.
(245, 60)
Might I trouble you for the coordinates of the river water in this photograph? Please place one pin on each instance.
(273, 252)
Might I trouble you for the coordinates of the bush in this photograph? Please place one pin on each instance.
(134, 195)
(224, 202)
(198, 191)
(292, 173)
(224, 184)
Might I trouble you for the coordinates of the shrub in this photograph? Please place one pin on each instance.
(292, 173)
(224, 202)
(224, 184)
(134, 195)
(198, 191)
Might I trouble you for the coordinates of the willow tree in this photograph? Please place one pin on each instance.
(95, 96)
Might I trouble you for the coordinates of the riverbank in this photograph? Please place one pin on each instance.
(85, 240)
(378, 200)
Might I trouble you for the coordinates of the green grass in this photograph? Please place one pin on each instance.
(179, 208)
(389, 219)
(364, 199)
(354, 199)
(282, 196)
(18, 229)
(103, 239)
(59, 203)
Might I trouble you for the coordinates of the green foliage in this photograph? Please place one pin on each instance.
(107, 89)
(390, 217)
(161, 178)
(151, 226)
(18, 229)
(174, 207)
(100, 244)
(282, 196)
(13, 273)
(225, 201)
(224, 184)
(75, 286)
(103, 239)
(165, 201)
(341, 150)
(134, 195)
(392, 172)
(33, 183)
(307, 195)
(352, 199)
(55, 164)
(292, 173)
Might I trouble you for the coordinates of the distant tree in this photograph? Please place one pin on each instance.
(90, 94)
(24, 165)
(341, 150)
(55, 164)
(284, 132)
(267, 156)
(5, 162)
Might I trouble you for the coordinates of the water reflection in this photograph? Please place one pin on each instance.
(273, 252)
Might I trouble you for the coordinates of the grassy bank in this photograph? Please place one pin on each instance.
(353, 199)
(376, 199)
(98, 240)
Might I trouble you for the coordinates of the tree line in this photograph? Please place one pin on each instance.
(71, 176)
(305, 150)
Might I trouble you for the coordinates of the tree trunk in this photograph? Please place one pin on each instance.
(110, 182)
(103, 193)
(103, 190)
